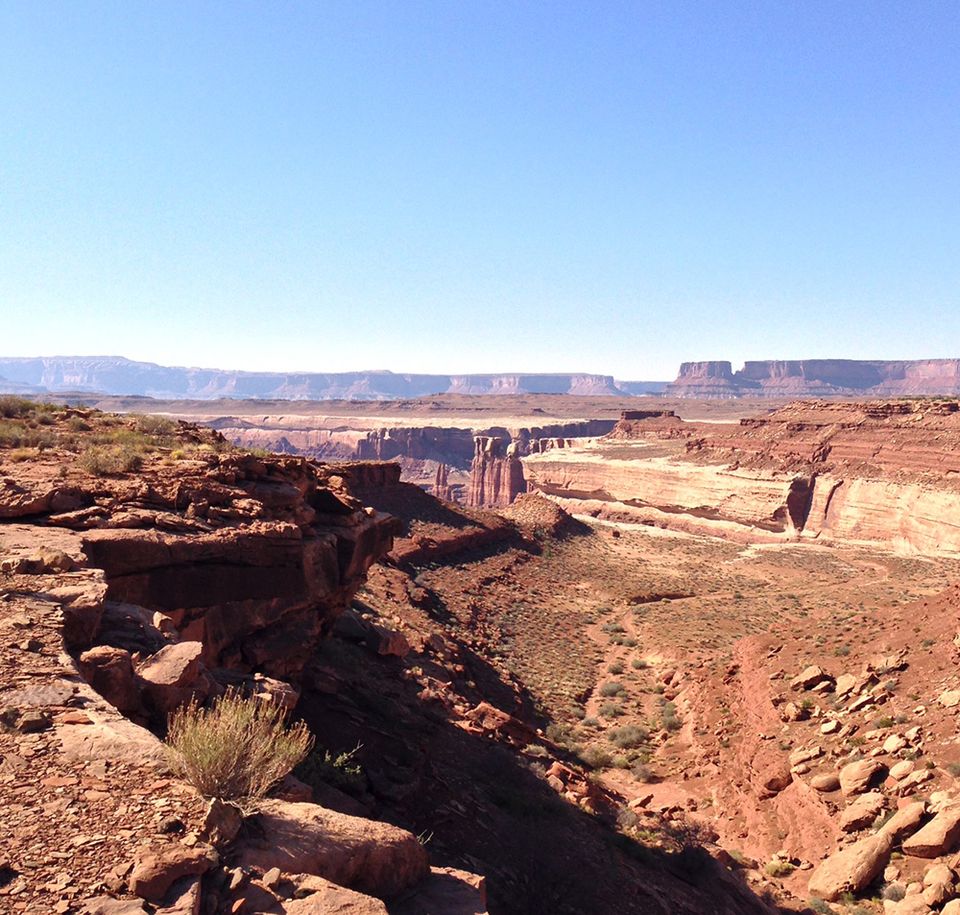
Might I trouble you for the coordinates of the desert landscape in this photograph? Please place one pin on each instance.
(698, 657)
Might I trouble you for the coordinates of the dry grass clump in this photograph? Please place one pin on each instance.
(104, 461)
(238, 747)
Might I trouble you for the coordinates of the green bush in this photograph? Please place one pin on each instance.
(612, 688)
(237, 748)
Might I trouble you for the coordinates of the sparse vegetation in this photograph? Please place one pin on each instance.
(238, 747)
(101, 461)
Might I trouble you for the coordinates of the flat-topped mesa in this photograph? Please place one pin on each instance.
(705, 379)
(635, 424)
(818, 378)
(496, 476)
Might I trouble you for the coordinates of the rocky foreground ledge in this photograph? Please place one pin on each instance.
(123, 595)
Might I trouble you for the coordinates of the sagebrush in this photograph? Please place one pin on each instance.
(238, 747)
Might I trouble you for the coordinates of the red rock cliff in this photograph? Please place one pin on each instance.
(496, 476)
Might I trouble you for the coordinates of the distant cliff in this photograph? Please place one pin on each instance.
(117, 375)
(817, 378)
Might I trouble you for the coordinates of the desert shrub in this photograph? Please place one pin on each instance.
(78, 424)
(596, 758)
(12, 407)
(894, 892)
(628, 737)
(638, 664)
(156, 425)
(610, 710)
(101, 461)
(779, 868)
(668, 717)
(643, 773)
(238, 747)
(340, 770)
(615, 668)
(820, 906)
(612, 688)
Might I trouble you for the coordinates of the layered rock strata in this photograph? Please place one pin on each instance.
(817, 378)
(496, 476)
(881, 472)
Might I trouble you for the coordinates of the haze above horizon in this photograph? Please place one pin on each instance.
(430, 187)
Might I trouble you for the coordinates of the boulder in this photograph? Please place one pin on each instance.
(155, 870)
(448, 891)
(862, 812)
(321, 897)
(938, 837)
(110, 672)
(904, 821)
(370, 856)
(910, 905)
(826, 782)
(173, 676)
(901, 769)
(851, 869)
(810, 677)
(938, 885)
(859, 776)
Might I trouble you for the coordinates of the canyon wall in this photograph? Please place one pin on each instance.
(817, 378)
(885, 473)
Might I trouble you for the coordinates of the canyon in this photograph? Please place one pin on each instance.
(696, 658)
(877, 472)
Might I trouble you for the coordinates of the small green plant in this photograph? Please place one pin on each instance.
(611, 688)
(341, 770)
(615, 668)
(238, 747)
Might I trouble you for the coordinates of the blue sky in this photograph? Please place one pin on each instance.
(469, 186)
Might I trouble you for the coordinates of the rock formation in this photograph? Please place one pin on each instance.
(817, 378)
(496, 476)
(879, 472)
(116, 375)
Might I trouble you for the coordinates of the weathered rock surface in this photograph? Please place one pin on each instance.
(496, 475)
(366, 855)
(938, 837)
(851, 869)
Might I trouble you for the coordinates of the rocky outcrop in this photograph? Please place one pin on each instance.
(496, 475)
(374, 858)
(817, 378)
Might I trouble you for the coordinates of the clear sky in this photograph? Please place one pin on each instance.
(479, 186)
